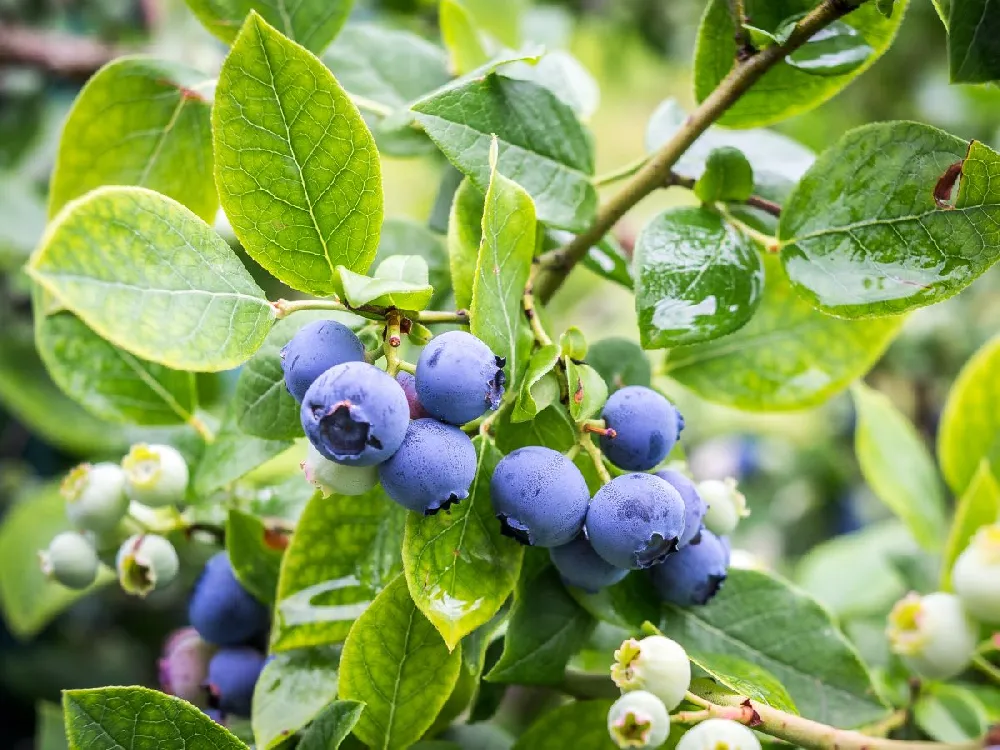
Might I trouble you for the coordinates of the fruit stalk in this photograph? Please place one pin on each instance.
(283, 308)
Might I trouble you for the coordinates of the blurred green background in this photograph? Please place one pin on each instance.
(797, 470)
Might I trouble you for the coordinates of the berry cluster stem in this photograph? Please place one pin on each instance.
(283, 308)
(393, 338)
(530, 311)
(595, 455)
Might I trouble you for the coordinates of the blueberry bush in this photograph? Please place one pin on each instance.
(492, 510)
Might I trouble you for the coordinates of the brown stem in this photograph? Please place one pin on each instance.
(61, 54)
(744, 48)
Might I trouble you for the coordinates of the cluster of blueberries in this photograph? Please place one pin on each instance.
(366, 427)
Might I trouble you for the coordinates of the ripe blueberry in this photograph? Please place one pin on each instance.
(337, 479)
(95, 496)
(580, 566)
(314, 349)
(635, 520)
(638, 720)
(655, 664)
(232, 675)
(146, 562)
(646, 427)
(221, 610)
(459, 378)
(433, 468)
(71, 560)
(694, 506)
(976, 575)
(719, 734)
(539, 496)
(934, 634)
(694, 574)
(183, 668)
(355, 414)
(726, 505)
(155, 475)
(409, 385)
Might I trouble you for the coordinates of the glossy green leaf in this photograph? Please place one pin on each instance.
(311, 23)
(835, 50)
(152, 278)
(788, 356)
(974, 41)
(344, 552)
(255, 554)
(608, 259)
(399, 281)
(406, 237)
(137, 718)
(620, 362)
(537, 391)
(291, 691)
(459, 567)
(745, 678)
(697, 278)
(863, 235)
(587, 390)
(502, 270)
(552, 427)
(728, 176)
(398, 665)
(628, 604)
(139, 121)
(466, 46)
(297, 169)
(555, 172)
(332, 726)
(761, 619)
(784, 90)
(978, 505)
(950, 713)
(232, 455)
(465, 235)
(898, 467)
(581, 725)
(564, 76)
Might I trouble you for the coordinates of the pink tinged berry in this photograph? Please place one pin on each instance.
(183, 668)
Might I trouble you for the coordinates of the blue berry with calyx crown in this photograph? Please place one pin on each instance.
(580, 566)
(694, 505)
(635, 520)
(433, 468)
(539, 497)
(693, 575)
(314, 349)
(232, 676)
(459, 378)
(221, 610)
(355, 414)
(645, 427)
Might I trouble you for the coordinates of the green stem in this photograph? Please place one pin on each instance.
(769, 243)
(283, 308)
(393, 338)
(405, 366)
(986, 667)
(531, 313)
(621, 173)
(486, 426)
(595, 455)
(199, 426)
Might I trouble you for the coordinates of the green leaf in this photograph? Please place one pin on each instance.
(553, 428)
(835, 50)
(297, 169)
(697, 278)
(136, 718)
(581, 725)
(789, 356)
(547, 627)
(502, 271)
(564, 76)
(152, 278)
(399, 281)
(745, 678)
(863, 235)
(344, 552)
(627, 604)
(254, 553)
(607, 259)
(50, 730)
(761, 619)
(970, 420)
(466, 47)
(291, 691)
(538, 388)
(555, 171)
(784, 90)
(974, 41)
(332, 726)
(232, 455)
(406, 237)
(459, 567)
(886, 7)
(728, 176)
(139, 121)
(398, 665)
(898, 467)
(620, 362)
(587, 390)
(979, 505)
(465, 235)
(950, 713)
(311, 23)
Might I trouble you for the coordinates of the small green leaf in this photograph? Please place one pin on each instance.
(581, 725)
(296, 167)
(254, 556)
(406, 237)
(232, 455)
(760, 38)
(950, 713)
(978, 506)
(291, 691)
(697, 278)
(398, 665)
(572, 343)
(332, 726)
(552, 427)
(136, 718)
(536, 388)
(898, 467)
(728, 176)
(399, 281)
(555, 171)
(466, 46)
(620, 362)
(587, 390)
(788, 356)
(465, 235)
(311, 23)
(745, 678)
(152, 278)
(974, 41)
(344, 552)
(835, 50)
(459, 567)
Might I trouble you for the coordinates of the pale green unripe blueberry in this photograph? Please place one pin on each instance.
(976, 575)
(638, 720)
(337, 479)
(655, 664)
(719, 734)
(146, 562)
(155, 475)
(726, 505)
(934, 634)
(71, 560)
(95, 496)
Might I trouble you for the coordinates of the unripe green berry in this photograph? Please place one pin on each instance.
(726, 505)
(155, 475)
(719, 734)
(976, 575)
(638, 720)
(95, 496)
(655, 664)
(146, 562)
(337, 479)
(71, 560)
(934, 634)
